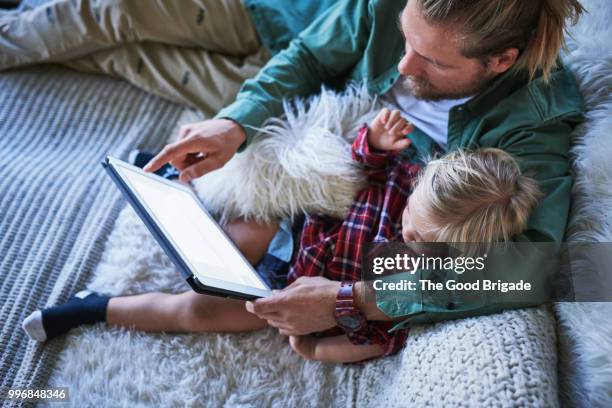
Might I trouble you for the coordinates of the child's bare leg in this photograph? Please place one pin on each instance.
(252, 238)
(185, 312)
(190, 311)
(337, 349)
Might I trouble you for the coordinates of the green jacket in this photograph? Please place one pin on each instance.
(358, 40)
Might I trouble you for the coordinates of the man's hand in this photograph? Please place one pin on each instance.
(203, 147)
(388, 131)
(305, 306)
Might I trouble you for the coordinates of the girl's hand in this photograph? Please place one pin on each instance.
(388, 131)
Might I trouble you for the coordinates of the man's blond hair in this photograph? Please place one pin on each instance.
(489, 27)
(475, 196)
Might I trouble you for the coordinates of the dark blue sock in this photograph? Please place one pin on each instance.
(83, 308)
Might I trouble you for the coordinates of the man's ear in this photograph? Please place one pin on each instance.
(502, 62)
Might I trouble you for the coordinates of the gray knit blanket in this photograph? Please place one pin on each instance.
(57, 206)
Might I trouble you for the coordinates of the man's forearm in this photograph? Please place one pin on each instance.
(365, 299)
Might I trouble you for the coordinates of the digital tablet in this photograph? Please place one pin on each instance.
(192, 239)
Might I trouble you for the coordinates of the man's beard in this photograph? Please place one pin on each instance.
(422, 89)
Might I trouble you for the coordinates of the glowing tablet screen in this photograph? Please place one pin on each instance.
(198, 238)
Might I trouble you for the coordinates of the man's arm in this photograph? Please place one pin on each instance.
(328, 48)
(307, 306)
(542, 153)
(366, 302)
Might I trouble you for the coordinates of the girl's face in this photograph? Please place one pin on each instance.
(414, 224)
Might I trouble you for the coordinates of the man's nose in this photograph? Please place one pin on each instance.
(409, 64)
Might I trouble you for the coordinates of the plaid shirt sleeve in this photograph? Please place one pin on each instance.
(376, 162)
(363, 153)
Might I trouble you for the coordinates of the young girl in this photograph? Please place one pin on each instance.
(478, 196)
(463, 197)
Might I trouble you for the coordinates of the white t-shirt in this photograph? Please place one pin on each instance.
(431, 117)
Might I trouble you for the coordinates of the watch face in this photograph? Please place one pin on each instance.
(350, 321)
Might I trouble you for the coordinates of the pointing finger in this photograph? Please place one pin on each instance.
(175, 151)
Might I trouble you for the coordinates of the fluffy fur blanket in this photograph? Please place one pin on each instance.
(301, 163)
(585, 329)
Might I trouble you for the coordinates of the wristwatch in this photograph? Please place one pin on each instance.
(348, 316)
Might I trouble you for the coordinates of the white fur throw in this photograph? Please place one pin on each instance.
(299, 164)
(585, 329)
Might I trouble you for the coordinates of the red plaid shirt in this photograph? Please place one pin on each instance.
(331, 247)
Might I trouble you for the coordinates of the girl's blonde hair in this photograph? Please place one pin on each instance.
(475, 196)
(535, 27)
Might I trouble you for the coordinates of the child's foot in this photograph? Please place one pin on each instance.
(85, 307)
(305, 346)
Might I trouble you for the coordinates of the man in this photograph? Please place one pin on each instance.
(487, 69)
(466, 73)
